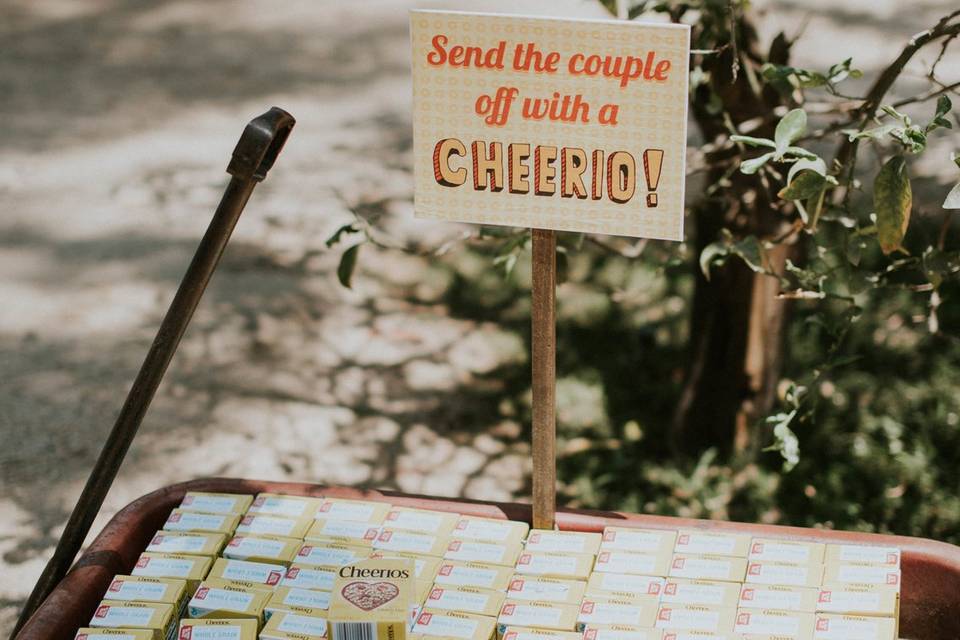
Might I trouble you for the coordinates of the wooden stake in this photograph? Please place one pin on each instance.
(544, 362)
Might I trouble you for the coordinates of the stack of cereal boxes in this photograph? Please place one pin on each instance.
(263, 568)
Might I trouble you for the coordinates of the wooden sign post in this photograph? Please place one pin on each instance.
(549, 124)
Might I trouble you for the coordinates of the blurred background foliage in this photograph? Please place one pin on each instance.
(849, 416)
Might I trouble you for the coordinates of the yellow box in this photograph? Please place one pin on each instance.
(491, 530)
(604, 610)
(707, 593)
(858, 600)
(549, 541)
(790, 575)
(227, 602)
(189, 543)
(789, 624)
(160, 619)
(208, 629)
(359, 534)
(304, 576)
(403, 541)
(694, 542)
(775, 596)
(773, 550)
(641, 564)
(695, 618)
(285, 625)
(879, 575)
(374, 595)
(245, 571)
(273, 525)
(658, 541)
(303, 601)
(204, 502)
(453, 624)
(723, 568)
(92, 633)
(609, 584)
(372, 513)
(172, 591)
(424, 567)
(473, 574)
(436, 523)
(862, 554)
(180, 520)
(546, 589)
(273, 549)
(524, 633)
(276, 504)
(832, 626)
(540, 615)
(555, 565)
(620, 632)
(242, 585)
(484, 552)
(323, 553)
(192, 569)
(484, 602)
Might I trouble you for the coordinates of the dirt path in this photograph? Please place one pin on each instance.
(118, 119)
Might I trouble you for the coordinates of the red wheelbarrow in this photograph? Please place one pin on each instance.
(64, 600)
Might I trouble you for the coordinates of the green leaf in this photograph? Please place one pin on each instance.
(339, 233)
(892, 198)
(817, 165)
(790, 127)
(752, 165)
(953, 198)
(348, 262)
(943, 107)
(807, 184)
(754, 142)
(876, 133)
(713, 252)
(750, 251)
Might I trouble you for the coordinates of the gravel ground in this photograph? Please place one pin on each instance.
(118, 120)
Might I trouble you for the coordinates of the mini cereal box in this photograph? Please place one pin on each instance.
(535, 588)
(484, 552)
(625, 583)
(712, 543)
(792, 575)
(723, 568)
(491, 530)
(274, 504)
(643, 564)
(374, 598)
(546, 541)
(359, 534)
(788, 624)
(401, 540)
(453, 624)
(207, 629)
(180, 520)
(523, 633)
(575, 566)
(484, 602)
(435, 523)
(830, 626)
(863, 554)
(273, 525)
(160, 619)
(303, 601)
(93, 633)
(886, 576)
(274, 549)
(244, 571)
(170, 591)
(604, 610)
(193, 569)
(203, 502)
(307, 577)
(321, 553)
(371, 513)
(863, 600)
(620, 632)
(287, 625)
(695, 618)
(223, 602)
(474, 574)
(540, 615)
(638, 540)
(700, 592)
(772, 550)
(774, 596)
(200, 544)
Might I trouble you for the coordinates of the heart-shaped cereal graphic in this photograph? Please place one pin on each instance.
(369, 595)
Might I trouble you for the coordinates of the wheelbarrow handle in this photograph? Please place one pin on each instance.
(260, 144)
(255, 153)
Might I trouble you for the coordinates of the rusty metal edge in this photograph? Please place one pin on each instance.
(930, 609)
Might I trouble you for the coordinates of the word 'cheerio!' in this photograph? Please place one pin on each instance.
(595, 175)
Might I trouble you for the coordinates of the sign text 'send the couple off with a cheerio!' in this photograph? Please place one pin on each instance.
(590, 113)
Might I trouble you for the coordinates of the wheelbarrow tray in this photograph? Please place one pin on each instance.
(930, 600)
